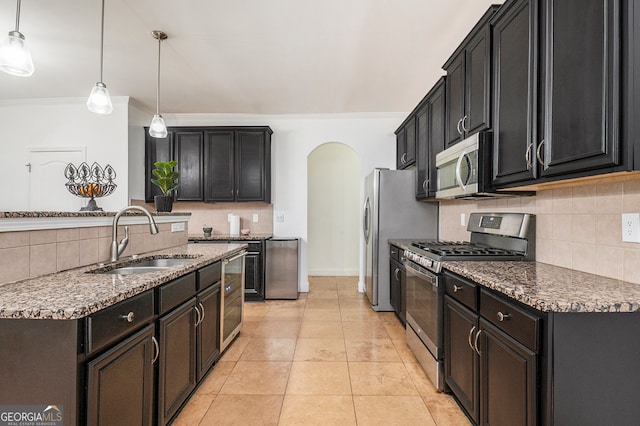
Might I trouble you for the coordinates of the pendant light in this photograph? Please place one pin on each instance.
(158, 129)
(99, 100)
(15, 58)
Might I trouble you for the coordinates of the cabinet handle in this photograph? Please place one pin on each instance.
(471, 334)
(527, 156)
(462, 124)
(199, 316)
(129, 317)
(503, 317)
(475, 343)
(202, 308)
(540, 160)
(403, 159)
(157, 348)
(456, 288)
(397, 271)
(424, 184)
(458, 126)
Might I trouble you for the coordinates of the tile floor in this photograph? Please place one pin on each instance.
(324, 359)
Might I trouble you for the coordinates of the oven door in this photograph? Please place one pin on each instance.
(424, 306)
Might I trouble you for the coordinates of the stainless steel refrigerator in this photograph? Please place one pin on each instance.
(391, 212)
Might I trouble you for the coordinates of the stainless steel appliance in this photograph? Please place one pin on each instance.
(494, 236)
(232, 299)
(281, 270)
(391, 211)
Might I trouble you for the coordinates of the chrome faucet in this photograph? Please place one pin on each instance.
(118, 248)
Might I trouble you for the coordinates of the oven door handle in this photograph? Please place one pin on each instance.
(431, 278)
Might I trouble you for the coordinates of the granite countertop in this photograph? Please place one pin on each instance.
(75, 294)
(227, 237)
(16, 215)
(546, 287)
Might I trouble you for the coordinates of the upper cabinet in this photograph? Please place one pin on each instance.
(468, 96)
(406, 143)
(430, 138)
(215, 163)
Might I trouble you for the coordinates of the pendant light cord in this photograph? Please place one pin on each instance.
(18, 17)
(158, 86)
(101, 41)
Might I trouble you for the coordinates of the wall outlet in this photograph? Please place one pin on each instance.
(631, 227)
(463, 219)
(255, 218)
(177, 227)
(279, 217)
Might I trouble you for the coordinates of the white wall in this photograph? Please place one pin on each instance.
(138, 118)
(61, 123)
(294, 138)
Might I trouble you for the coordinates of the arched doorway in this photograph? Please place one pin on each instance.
(333, 210)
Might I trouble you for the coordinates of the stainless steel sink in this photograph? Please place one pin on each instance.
(144, 266)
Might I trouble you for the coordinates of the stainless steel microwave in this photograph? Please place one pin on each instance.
(464, 169)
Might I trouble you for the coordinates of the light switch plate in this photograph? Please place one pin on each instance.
(463, 219)
(631, 227)
(177, 227)
(279, 217)
(255, 217)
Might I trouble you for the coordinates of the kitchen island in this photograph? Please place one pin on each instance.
(69, 337)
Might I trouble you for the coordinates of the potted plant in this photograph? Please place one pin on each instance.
(165, 179)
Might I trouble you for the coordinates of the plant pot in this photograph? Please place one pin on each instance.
(164, 203)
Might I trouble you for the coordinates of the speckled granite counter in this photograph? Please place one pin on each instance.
(548, 288)
(75, 294)
(23, 214)
(227, 237)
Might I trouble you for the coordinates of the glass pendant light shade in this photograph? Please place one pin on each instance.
(99, 100)
(158, 129)
(15, 58)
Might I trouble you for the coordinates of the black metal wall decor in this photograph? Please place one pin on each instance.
(90, 182)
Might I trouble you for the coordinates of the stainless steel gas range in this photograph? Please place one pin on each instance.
(494, 236)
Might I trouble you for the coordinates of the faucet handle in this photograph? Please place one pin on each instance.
(123, 243)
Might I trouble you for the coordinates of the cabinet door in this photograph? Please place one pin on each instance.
(254, 277)
(515, 88)
(582, 85)
(460, 360)
(219, 166)
(508, 380)
(436, 134)
(422, 152)
(477, 83)
(395, 296)
(177, 361)
(156, 149)
(410, 143)
(455, 98)
(208, 331)
(189, 154)
(120, 382)
(250, 166)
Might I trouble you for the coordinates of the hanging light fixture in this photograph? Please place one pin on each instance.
(158, 129)
(99, 100)
(15, 58)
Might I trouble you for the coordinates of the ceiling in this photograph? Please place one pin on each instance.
(242, 56)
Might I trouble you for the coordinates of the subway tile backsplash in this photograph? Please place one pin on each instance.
(577, 228)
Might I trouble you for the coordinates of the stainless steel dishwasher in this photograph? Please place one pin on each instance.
(281, 271)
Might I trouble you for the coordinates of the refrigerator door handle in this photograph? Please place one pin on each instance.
(366, 220)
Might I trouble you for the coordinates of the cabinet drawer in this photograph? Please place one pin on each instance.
(109, 324)
(511, 319)
(254, 247)
(209, 275)
(395, 253)
(463, 291)
(175, 292)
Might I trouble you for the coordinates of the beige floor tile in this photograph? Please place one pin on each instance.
(319, 282)
(364, 330)
(257, 377)
(322, 294)
(348, 280)
(319, 378)
(235, 410)
(320, 410)
(321, 314)
(380, 378)
(320, 350)
(213, 382)
(349, 293)
(194, 411)
(284, 314)
(354, 302)
(269, 349)
(445, 410)
(371, 350)
(364, 313)
(420, 380)
(389, 318)
(322, 303)
(321, 330)
(275, 304)
(395, 330)
(250, 325)
(234, 351)
(254, 311)
(405, 352)
(282, 329)
(391, 410)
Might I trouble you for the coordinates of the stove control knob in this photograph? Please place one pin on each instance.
(503, 317)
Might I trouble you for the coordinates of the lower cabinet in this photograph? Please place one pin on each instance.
(120, 382)
(208, 330)
(491, 355)
(254, 271)
(398, 286)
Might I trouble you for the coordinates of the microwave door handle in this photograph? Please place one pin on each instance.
(459, 171)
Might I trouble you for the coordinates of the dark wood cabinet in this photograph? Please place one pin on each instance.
(120, 382)
(254, 271)
(216, 164)
(398, 283)
(208, 329)
(515, 77)
(468, 95)
(430, 138)
(177, 360)
(406, 143)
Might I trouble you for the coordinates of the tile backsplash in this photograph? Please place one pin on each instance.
(578, 227)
